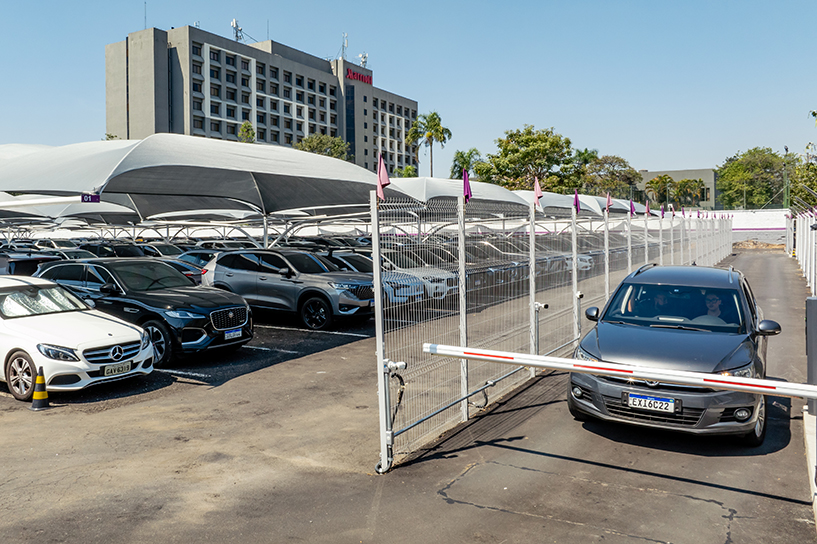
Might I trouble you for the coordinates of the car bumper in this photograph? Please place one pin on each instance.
(76, 375)
(702, 411)
(193, 336)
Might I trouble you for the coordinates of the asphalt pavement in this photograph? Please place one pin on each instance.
(278, 443)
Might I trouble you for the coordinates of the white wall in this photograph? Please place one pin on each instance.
(758, 219)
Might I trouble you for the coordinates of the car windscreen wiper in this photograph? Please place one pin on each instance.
(682, 327)
(616, 322)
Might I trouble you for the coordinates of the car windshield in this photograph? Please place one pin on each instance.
(37, 300)
(400, 260)
(677, 307)
(361, 264)
(64, 243)
(128, 251)
(78, 254)
(167, 249)
(148, 276)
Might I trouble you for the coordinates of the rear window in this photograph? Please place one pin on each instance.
(308, 264)
(361, 264)
(148, 276)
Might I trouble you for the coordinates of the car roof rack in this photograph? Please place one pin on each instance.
(643, 268)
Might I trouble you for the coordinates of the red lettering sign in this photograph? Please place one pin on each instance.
(350, 74)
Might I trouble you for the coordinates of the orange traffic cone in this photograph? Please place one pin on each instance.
(39, 400)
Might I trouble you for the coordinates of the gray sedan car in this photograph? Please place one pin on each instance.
(684, 318)
(293, 281)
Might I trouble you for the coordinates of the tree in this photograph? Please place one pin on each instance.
(753, 179)
(689, 192)
(109, 137)
(608, 174)
(803, 173)
(527, 154)
(246, 133)
(323, 144)
(659, 188)
(429, 129)
(465, 160)
(407, 171)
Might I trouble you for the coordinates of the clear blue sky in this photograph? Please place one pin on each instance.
(666, 85)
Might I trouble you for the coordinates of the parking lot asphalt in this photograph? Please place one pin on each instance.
(278, 443)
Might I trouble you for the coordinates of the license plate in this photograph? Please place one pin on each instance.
(371, 303)
(655, 404)
(113, 370)
(235, 333)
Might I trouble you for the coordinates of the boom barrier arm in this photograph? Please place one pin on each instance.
(700, 379)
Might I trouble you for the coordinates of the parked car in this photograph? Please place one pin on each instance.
(190, 270)
(116, 249)
(399, 288)
(199, 257)
(293, 281)
(23, 263)
(69, 253)
(180, 317)
(677, 317)
(224, 244)
(157, 249)
(45, 326)
(44, 243)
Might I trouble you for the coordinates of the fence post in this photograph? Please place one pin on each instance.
(383, 400)
(646, 238)
(661, 239)
(463, 287)
(629, 242)
(534, 314)
(672, 237)
(606, 255)
(575, 274)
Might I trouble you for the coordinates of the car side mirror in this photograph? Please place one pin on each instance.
(592, 313)
(767, 327)
(286, 272)
(109, 289)
(90, 302)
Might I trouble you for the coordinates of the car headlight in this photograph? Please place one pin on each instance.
(57, 352)
(747, 371)
(583, 355)
(182, 314)
(145, 338)
(343, 286)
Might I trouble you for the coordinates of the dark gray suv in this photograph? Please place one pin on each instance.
(689, 318)
(293, 281)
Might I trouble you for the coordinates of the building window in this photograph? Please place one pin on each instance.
(245, 98)
(399, 110)
(311, 114)
(299, 111)
(245, 65)
(323, 130)
(245, 115)
(215, 90)
(230, 112)
(333, 119)
(197, 69)
(273, 89)
(273, 105)
(288, 78)
(288, 139)
(214, 55)
(322, 117)
(365, 111)
(310, 100)
(333, 133)
(322, 88)
(273, 120)
(230, 60)
(287, 92)
(312, 128)
(299, 81)
(197, 105)
(245, 82)
(333, 105)
(197, 50)
(262, 134)
(215, 108)
(230, 95)
(259, 101)
(374, 102)
(310, 84)
(261, 118)
(322, 102)
(230, 128)
(365, 98)
(286, 108)
(215, 126)
(260, 86)
(365, 151)
(230, 77)
(391, 107)
(299, 96)
(259, 69)
(196, 87)
(273, 72)
(365, 126)
(299, 127)
(215, 73)
(198, 123)
(332, 91)
(287, 124)
(273, 136)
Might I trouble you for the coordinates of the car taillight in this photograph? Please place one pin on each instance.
(203, 271)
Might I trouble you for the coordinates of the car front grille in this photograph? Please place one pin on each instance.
(661, 386)
(688, 417)
(103, 355)
(229, 318)
(451, 282)
(363, 292)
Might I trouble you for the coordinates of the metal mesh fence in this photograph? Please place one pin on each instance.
(483, 275)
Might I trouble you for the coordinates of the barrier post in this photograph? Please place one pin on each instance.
(463, 306)
(629, 242)
(575, 274)
(811, 348)
(661, 240)
(606, 255)
(534, 310)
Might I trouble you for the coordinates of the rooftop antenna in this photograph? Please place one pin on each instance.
(344, 46)
(197, 24)
(364, 58)
(239, 35)
(146, 15)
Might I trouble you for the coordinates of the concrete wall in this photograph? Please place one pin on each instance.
(116, 105)
(147, 83)
(758, 220)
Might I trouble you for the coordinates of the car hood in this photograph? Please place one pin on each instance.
(668, 348)
(193, 297)
(73, 329)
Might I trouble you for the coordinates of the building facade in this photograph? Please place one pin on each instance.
(707, 175)
(189, 81)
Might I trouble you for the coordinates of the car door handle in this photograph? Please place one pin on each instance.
(132, 310)
(229, 275)
(262, 278)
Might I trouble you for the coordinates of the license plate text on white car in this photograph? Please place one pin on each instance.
(235, 333)
(656, 404)
(113, 370)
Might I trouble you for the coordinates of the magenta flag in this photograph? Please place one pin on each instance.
(537, 190)
(683, 212)
(671, 207)
(662, 211)
(466, 185)
(576, 201)
(647, 212)
(609, 202)
(382, 178)
(699, 214)
(632, 207)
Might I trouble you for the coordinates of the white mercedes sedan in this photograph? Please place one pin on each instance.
(44, 326)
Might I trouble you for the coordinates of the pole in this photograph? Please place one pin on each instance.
(383, 371)
(463, 306)
(606, 255)
(575, 274)
(629, 242)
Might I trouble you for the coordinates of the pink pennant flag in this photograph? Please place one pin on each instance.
(632, 207)
(382, 178)
(647, 212)
(466, 185)
(699, 214)
(683, 212)
(609, 202)
(672, 207)
(576, 201)
(662, 211)
(537, 190)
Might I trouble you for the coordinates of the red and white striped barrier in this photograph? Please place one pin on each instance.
(701, 379)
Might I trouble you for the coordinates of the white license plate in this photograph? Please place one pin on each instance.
(113, 370)
(371, 303)
(655, 404)
(235, 333)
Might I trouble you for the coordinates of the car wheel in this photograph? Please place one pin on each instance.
(162, 343)
(21, 375)
(574, 410)
(756, 437)
(316, 313)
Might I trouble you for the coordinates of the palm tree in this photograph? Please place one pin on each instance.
(429, 129)
(690, 191)
(465, 160)
(659, 188)
(585, 156)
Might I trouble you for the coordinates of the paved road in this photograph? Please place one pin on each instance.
(273, 446)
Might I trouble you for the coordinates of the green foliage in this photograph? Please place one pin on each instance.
(527, 154)
(465, 160)
(428, 128)
(754, 178)
(246, 133)
(109, 137)
(660, 188)
(803, 173)
(323, 144)
(689, 192)
(407, 171)
(607, 174)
